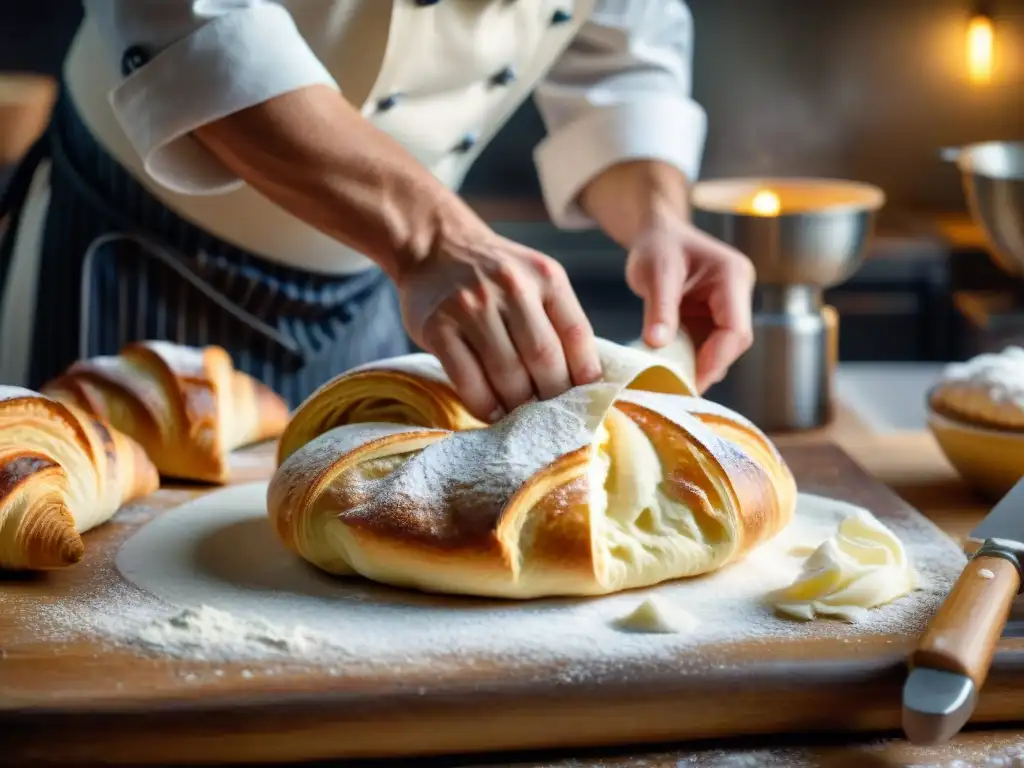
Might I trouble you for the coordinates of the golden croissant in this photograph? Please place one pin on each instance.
(62, 472)
(620, 484)
(187, 406)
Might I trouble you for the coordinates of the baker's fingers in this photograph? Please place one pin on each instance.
(481, 324)
(570, 323)
(657, 274)
(539, 347)
(443, 340)
(729, 304)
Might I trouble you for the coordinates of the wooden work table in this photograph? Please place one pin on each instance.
(911, 464)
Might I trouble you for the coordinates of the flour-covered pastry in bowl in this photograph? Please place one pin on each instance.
(976, 413)
(621, 484)
(986, 391)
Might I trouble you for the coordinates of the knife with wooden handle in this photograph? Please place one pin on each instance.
(951, 662)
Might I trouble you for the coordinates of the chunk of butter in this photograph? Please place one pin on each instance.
(863, 566)
(657, 616)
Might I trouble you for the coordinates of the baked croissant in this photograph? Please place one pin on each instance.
(62, 472)
(188, 407)
(620, 484)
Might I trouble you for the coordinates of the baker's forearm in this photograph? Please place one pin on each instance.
(634, 196)
(313, 154)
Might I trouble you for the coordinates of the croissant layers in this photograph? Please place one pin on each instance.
(62, 472)
(611, 486)
(187, 406)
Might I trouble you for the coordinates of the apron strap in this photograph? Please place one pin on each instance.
(151, 247)
(12, 202)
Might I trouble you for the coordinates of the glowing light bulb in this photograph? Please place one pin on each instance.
(765, 203)
(980, 45)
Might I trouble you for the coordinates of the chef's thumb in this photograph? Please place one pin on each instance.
(661, 286)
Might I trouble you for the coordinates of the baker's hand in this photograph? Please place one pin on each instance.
(685, 275)
(502, 319)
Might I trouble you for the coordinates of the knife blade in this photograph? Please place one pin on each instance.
(951, 661)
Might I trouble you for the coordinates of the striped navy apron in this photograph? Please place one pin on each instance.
(118, 266)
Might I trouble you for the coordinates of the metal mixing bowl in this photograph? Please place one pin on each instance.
(993, 179)
(818, 239)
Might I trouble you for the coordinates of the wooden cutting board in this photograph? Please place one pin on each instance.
(80, 699)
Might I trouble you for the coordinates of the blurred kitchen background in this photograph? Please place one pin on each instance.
(868, 90)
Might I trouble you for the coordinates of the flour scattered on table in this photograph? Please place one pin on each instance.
(209, 580)
(207, 633)
(971, 751)
(144, 509)
(976, 752)
(1006, 757)
(761, 758)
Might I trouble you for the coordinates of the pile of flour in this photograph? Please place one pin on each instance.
(218, 585)
(206, 633)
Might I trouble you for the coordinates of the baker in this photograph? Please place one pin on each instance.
(277, 178)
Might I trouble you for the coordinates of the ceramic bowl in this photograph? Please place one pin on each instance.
(989, 460)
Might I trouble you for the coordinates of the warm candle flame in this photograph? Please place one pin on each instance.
(980, 49)
(766, 203)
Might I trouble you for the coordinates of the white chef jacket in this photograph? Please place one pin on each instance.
(611, 79)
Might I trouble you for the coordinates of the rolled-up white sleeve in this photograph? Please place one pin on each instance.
(196, 61)
(620, 91)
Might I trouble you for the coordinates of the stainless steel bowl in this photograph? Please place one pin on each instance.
(993, 180)
(818, 239)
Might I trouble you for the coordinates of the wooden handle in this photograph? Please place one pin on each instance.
(962, 636)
